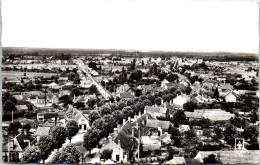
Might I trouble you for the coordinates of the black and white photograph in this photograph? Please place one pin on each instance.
(130, 81)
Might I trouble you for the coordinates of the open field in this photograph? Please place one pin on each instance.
(15, 75)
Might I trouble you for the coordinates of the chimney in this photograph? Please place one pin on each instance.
(164, 105)
(146, 117)
(116, 130)
(139, 114)
(161, 101)
(133, 131)
(135, 117)
(11, 144)
(118, 142)
(25, 131)
(28, 141)
(123, 121)
(109, 139)
(118, 127)
(129, 118)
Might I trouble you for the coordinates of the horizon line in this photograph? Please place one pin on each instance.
(134, 50)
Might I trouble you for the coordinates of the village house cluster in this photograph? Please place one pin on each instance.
(112, 109)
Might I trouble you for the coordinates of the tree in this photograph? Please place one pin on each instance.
(175, 135)
(250, 132)
(7, 96)
(91, 138)
(68, 155)
(45, 145)
(105, 110)
(75, 92)
(72, 129)
(9, 106)
(158, 100)
(204, 123)
(211, 159)
(66, 100)
(59, 136)
(178, 118)
(109, 122)
(91, 102)
(151, 98)
(106, 154)
(27, 127)
(127, 112)
(118, 116)
(13, 128)
(79, 105)
(188, 90)
(121, 105)
(230, 134)
(93, 89)
(140, 106)
(31, 155)
(133, 64)
(138, 92)
(137, 75)
(189, 106)
(93, 115)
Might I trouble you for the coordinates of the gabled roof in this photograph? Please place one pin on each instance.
(177, 160)
(21, 107)
(155, 109)
(20, 139)
(126, 95)
(211, 114)
(153, 123)
(124, 87)
(42, 131)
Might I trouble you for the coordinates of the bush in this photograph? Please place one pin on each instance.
(106, 154)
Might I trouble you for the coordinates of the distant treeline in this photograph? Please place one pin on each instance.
(67, 53)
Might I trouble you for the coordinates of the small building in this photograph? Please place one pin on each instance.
(156, 111)
(122, 88)
(40, 131)
(17, 146)
(118, 153)
(176, 160)
(231, 98)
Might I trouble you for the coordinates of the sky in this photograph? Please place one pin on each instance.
(168, 25)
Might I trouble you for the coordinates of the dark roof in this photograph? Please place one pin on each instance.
(20, 139)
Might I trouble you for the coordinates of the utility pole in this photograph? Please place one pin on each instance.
(12, 116)
(45, 95)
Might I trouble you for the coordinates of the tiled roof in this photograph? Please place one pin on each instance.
(212, 114)
(42, 131)
(156, 109)
(20, 139)
(21, 107)
(153, 123)
(126, 95)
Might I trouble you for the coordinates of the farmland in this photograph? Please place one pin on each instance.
(16, 75)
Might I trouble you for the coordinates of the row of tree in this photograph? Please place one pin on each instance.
(47, 143)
